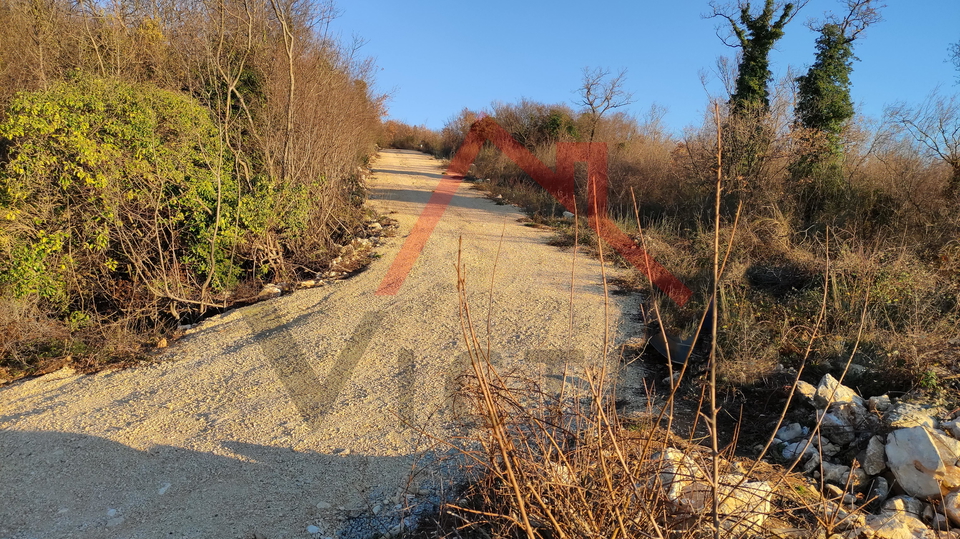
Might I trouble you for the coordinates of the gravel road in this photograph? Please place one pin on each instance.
(309, 415)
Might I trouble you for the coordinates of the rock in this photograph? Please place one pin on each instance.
(939, 522)
(744, 505)
(843, 519)
(837, 429)
(792, 451)
(856, 480)
(375, 226)
(914, 457)
(813, 463)
(952, 427)
(790, 433)
(896, 526)
(323, 505)
(879, 490)
(313, 529)
(162, 343)
(830, 390)
(269, 291)
(875, 459)
(835, 473)
(879, 404)
(807, 391)
(833, 491)
(949, 447)
(677, 471)
(903, 504)
(951, 506)
(567, 215)
(904, 415)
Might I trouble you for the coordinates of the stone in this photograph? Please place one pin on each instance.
(313, 529)
(835, 473)
(843, 520)
(951, 506)
(268, 292)
(856, 480)
(833, 491)
(323, 505)
(875, 458)
(792, 451)
(905, 415)
(375, 226)
(880, 403)
(879, 490)
(914, 457)
(896, 526)
(830, 390)
(790, 433)
(952, 427)
(837, 429)
(949, 447)
(677, 471)
(567, 215)
(940, 522)
(903, 504)
(806, 391)
(744, 505)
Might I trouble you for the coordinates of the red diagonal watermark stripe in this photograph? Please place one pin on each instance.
(559, 183)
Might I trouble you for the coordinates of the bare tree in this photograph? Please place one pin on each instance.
(601, 93)
(935, 125)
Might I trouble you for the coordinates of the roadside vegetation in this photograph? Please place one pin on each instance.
(829, 243)
(813, 196)
(160, 161)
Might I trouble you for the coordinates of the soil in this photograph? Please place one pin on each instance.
(315, 414)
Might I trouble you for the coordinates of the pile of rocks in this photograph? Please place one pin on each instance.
(890, 467)
(889, 470)
(350, 256)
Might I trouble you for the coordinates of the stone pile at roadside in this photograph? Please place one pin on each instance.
(888, 469)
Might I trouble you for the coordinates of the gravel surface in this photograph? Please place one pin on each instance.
(309, 415)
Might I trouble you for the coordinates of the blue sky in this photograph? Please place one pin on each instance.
(436, 58)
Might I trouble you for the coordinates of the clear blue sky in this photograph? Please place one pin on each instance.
(436, 58)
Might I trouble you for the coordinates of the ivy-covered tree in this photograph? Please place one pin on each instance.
(824, 107)
(755, 35)
(748, 133)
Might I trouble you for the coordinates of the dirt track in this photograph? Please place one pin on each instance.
(299, 416)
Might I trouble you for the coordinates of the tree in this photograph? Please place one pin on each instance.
(824, 106)
(935, 125)
(823, 93)
(600, 93)
(755, 35)
(955, 57)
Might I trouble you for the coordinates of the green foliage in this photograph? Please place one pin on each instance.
(823, 100)
(105, 181)
(757, 37)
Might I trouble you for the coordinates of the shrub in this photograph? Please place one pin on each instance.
(112, 194)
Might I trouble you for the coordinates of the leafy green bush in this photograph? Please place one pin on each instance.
(112, 195)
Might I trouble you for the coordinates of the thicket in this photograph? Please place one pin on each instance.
(159, 160)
